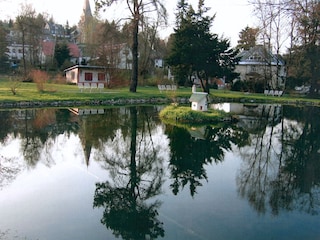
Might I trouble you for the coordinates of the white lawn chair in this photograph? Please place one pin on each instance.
(80, 86)
(93, 86)
(100, 86)
(86, 86)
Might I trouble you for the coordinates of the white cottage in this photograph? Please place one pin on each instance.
(199, 101)
(87, 74)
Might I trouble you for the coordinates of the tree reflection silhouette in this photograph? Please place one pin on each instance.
(128, 212)
(281, 168)
(190, 154)
(298, 183)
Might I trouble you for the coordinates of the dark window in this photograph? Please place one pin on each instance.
(101, 77)
(88, 76)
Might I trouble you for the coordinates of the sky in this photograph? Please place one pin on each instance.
(231, 15)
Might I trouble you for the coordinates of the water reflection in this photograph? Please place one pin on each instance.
(137, 177)
(143, 161)
(280, 167)
(193, 148)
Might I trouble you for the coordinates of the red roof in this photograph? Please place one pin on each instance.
(48, 49)
(74, 50)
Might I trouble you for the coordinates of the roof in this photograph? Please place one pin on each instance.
(74, 50)
(198, 96)
(85, 67)
(48, 49)
(259, 55)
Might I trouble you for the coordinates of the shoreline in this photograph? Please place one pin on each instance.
(139, 101)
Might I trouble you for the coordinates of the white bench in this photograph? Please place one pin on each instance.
(273, 93)
(167, 87)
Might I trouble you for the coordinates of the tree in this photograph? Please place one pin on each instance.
(3, 48)
(138, 9)
(274, 28)
(195, 50)
(308, 19)
(247, 38)
(30, 26)
(61, 53)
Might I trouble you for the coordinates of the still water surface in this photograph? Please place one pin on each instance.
(122, 173)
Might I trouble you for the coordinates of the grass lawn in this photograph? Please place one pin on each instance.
(64, 92)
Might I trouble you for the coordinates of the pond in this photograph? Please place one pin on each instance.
(110, 173)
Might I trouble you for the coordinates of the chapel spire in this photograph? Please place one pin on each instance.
(87, 9)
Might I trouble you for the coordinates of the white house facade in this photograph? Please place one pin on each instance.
(87, 74)
(259, 64)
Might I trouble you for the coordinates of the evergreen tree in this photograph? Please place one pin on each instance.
(247, 38)
(61, 54)
(195, 50)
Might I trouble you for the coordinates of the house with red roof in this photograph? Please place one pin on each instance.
(48, 47)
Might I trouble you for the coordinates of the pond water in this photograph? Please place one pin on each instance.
(122, 173)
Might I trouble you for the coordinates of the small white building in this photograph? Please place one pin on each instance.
(199, 101)
(87, 74)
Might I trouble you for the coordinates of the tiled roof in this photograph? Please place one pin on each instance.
(48, 49)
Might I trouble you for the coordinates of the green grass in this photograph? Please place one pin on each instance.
(64, 92)
(181, 114)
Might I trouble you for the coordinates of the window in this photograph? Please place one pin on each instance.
(88, 76)
(73, 75)
(101, 77)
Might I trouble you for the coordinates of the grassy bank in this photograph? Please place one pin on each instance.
(174, 113)
(63, 92)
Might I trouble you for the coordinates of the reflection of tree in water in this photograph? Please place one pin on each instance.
(37, 130)
(298, 183)
(282, 168)
(190, 154)
(136, 170)
(41, 128)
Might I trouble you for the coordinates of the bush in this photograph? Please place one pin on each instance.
(40, 78)
(239, 86)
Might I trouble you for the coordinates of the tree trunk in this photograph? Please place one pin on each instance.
(134, 77)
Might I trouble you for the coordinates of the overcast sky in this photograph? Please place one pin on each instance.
(231, 15)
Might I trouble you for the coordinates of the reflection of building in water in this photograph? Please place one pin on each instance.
(251, 116)
(198, 133)
(23, 114)
(87, 111)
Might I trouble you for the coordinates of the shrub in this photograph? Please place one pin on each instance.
(40, 78)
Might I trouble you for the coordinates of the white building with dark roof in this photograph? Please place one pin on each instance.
(259, 64)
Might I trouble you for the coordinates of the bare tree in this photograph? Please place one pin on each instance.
(274, 28)
(138, 9)
(30, 25)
